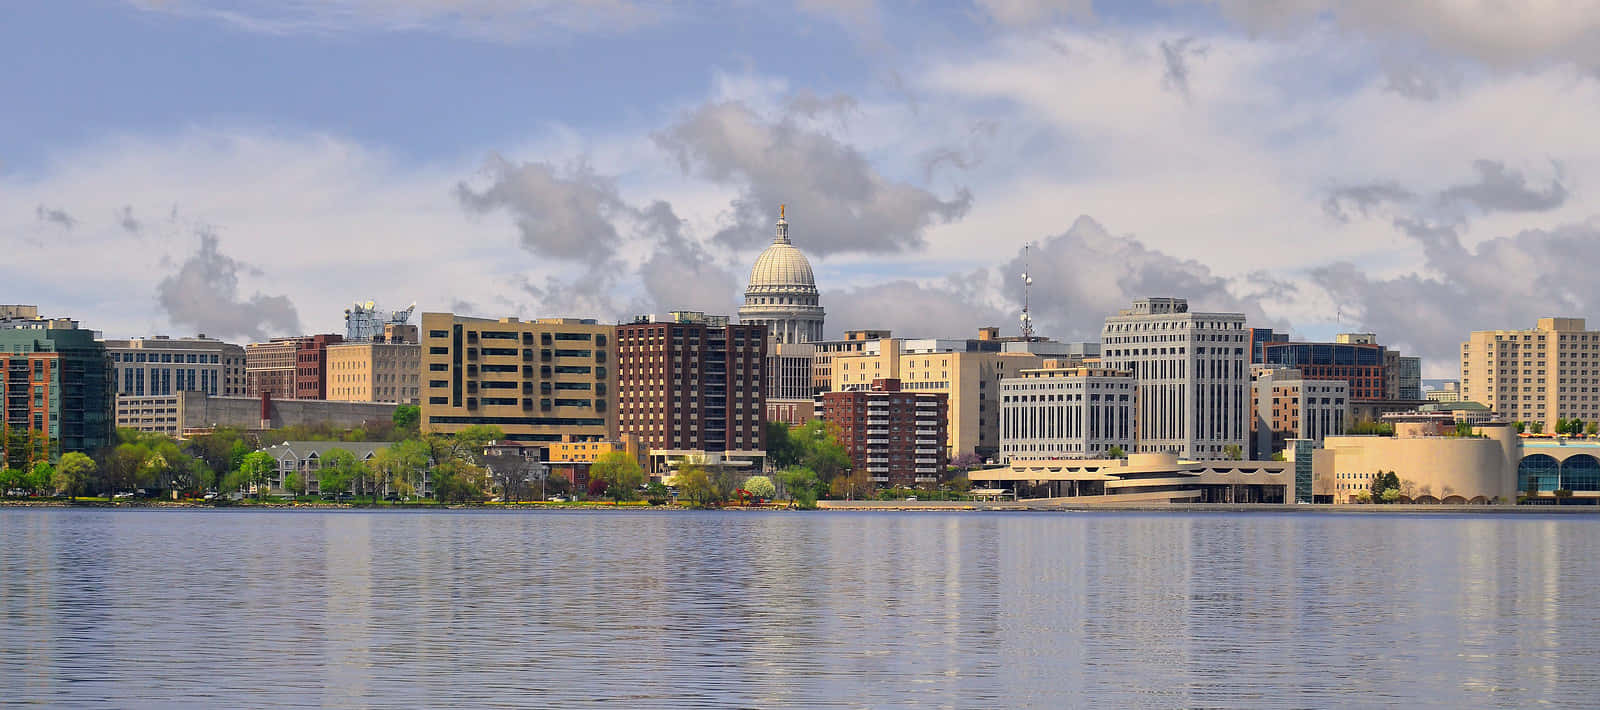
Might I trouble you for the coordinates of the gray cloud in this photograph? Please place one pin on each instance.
(840, 202)
(126, 220)
(1175, 56)
(204, 294)
(56, 216)
(1501, 189)
(1341, 201)
(495, 20)
(954, 307)
(680, 274)
(1507, 282)
(566, 216)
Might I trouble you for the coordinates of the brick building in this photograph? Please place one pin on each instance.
(693, 384)
(897, 437)
(55, 385)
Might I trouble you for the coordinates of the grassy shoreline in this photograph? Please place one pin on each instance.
(839, 506)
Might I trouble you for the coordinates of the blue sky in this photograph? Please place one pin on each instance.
(246, 168)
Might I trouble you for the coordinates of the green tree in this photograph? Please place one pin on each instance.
(1115, 452)
(75, 472)
(400, 467)
(1367, 427)
(338, 472)
(656, 492)
(782, 451)
(800, 483)
(124, 467)
(1232, 452)
(258, 469)
(1536, 427)
(761, 487)
(38, 479)
(407, 420)
(1463, 430)
(851, 485)
(18, 446)
(694, 482)
(1575, 427)
(1382, 484)
(1591, 428)
(294, 484)
(1521, 426)
(1561, 426)
(620, 472)
(820, 450)
(458, 481)
(9, 478)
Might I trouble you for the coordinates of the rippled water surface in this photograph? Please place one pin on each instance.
(137, 608)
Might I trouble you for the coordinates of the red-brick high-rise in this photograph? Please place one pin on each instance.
(896, 437)
(693, 384)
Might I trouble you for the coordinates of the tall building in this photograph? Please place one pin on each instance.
(55, 382)
(968, 371)
(289, 368)
(542, 381)
(1066, 411)
(693, 385)
(789, 378)
(897, 437)
(374, 371)
(1193, 376)
(782, 293)
(1548, 373)
(1290, 406)
(311, 365)
(163, 366)
(1361, 363)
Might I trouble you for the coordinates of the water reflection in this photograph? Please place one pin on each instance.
(650, 609)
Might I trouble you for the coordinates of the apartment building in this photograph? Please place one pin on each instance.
(897, 437)
(693, 384)
(55, 383)
(1543, 374)
(546, 380)
(1066, 411)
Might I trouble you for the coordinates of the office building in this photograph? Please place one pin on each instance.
(823, 352)
(55, 383)
(1444, 393)
(693, 384)
(374, 371)
(897, 437)
(968, 371)
(1066, 412)
(542, 381)
(1359, 362)
(782, 292)
(289, 368)
(1192, 374)
(1288, 406)
(1545, 374)
(162, 366)
(789, 377)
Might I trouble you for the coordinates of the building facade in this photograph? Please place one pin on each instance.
(782, 292)
(897, 437)
(183, 414)
(1361, 365)
(1193, 376)
(374, 371)
(968, 371)
(823, 352)
(693, 384)
(1143, 478)
(163, 366)
(789, 378)
(56, 386)
(1548, 373)
(304, 459)
(1066, 412)
(1288, 406)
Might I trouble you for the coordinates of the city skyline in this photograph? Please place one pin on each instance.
(1419, 174)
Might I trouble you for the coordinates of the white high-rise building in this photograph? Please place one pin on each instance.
(1193, 375)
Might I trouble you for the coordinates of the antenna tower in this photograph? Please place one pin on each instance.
(1027, 283)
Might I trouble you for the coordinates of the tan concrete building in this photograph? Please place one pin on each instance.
(544, 381)
(374, 372)
(1432, 469)
(968, 371)
(823, 352)
(1289, 406)
(1541, 375)
(1143, 478)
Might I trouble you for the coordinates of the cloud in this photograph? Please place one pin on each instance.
(1017, 13)
(1175, 55)
(126, 220)
(1362, 199)
(954, 306)
(565, 215)
(494, 20)
(840, 201)
(204, 294)
(680, 274)
(56, 216)
(1501, 189)
(1505, 282)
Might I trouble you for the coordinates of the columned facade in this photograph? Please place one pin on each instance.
(782, 294)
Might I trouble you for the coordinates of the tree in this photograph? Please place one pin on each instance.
(966, 461)
(458, 481)
(1367, 427)
(761, 487)
(1115, 452)
(1233, 452)
(9, 478)
(621, 473)
(398, 469)
(694, 482)
(18, 447)
(1521, 426)
(852, 485)
(38, 479)
(74, 473)
(1536, 427)
(1561, 425)
(1575, 427)
(1591, 428)
(801, 485)
(294, 484)
(782, 451)
(257, 470)
(1463, 430)
(656, 492)
(820, 449)
(338, 472)
(1382, 484)
(123, 467)
(407, 420)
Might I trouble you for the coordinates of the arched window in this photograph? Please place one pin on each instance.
(1581, 473)
(1538, 472)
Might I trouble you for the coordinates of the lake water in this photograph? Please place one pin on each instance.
(131, 608)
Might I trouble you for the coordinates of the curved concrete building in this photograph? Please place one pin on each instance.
(1432, 469)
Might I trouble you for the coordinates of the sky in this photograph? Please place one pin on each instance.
(248, 168)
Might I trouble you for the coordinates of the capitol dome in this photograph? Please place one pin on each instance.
(782, 293)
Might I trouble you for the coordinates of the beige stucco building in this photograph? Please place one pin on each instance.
(967, 371)
(1431, 468)
(1544, 374)
(541, 381)
(1143, 478)
(374, 372)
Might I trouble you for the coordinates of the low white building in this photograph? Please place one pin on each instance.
(1066, 412)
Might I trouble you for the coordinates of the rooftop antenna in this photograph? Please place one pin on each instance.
(1027, 282)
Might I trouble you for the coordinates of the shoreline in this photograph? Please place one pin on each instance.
(867, 506)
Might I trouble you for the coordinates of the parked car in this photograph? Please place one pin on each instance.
(558, 499)
(121, 496)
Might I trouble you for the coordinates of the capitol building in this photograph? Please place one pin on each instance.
(782, 294)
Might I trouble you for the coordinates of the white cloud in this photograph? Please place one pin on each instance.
(496, 20)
